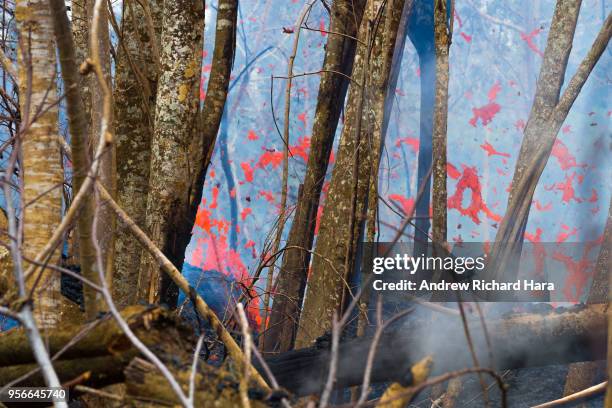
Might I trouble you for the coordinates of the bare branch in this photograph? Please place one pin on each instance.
(181, 282)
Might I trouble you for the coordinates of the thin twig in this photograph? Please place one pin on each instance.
(305, 27)
(194, 368)
(8, 312)
(333, 362)
(248, 346)
(321, 71)
(496, 20)
(168, 267)
(123, 325)
(266, 368)
(468, 337)
(588, 392)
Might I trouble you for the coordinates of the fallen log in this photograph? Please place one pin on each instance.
(99, 354)
(99, 348)
(214, 387)
(559, 336)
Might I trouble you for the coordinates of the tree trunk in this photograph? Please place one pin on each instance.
(7, 277)
(78, 123)
(105, 228)
(608, 402)
(135, 92)
(172, 160)
(342, 220)
(213, 387)
(339, 56)
(92, 104)
(83, 251)
(43, 175)
(442, 36)
(583, 375)
(216, 92)
(103, 348)
(547, 116)
(421, 33)
(443, 22)
(209, 119)
(522, 340)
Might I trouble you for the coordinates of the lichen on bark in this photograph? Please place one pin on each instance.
(135, 91)
(172, 157)
(216, 92)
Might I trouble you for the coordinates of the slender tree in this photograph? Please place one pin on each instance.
(43, 175)
(345, 207)
(136, 75)
(7, 279)
(545, 120)
(80, 31)
(442, 34)
(172, 155)
(337, 64)
(608, 402)
(94, 302)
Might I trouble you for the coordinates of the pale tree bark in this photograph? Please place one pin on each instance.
(135, 92)
(172, 160)
(339, 55)
(41, 166)
(345, 207)
(547, 116)
(207, 127)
